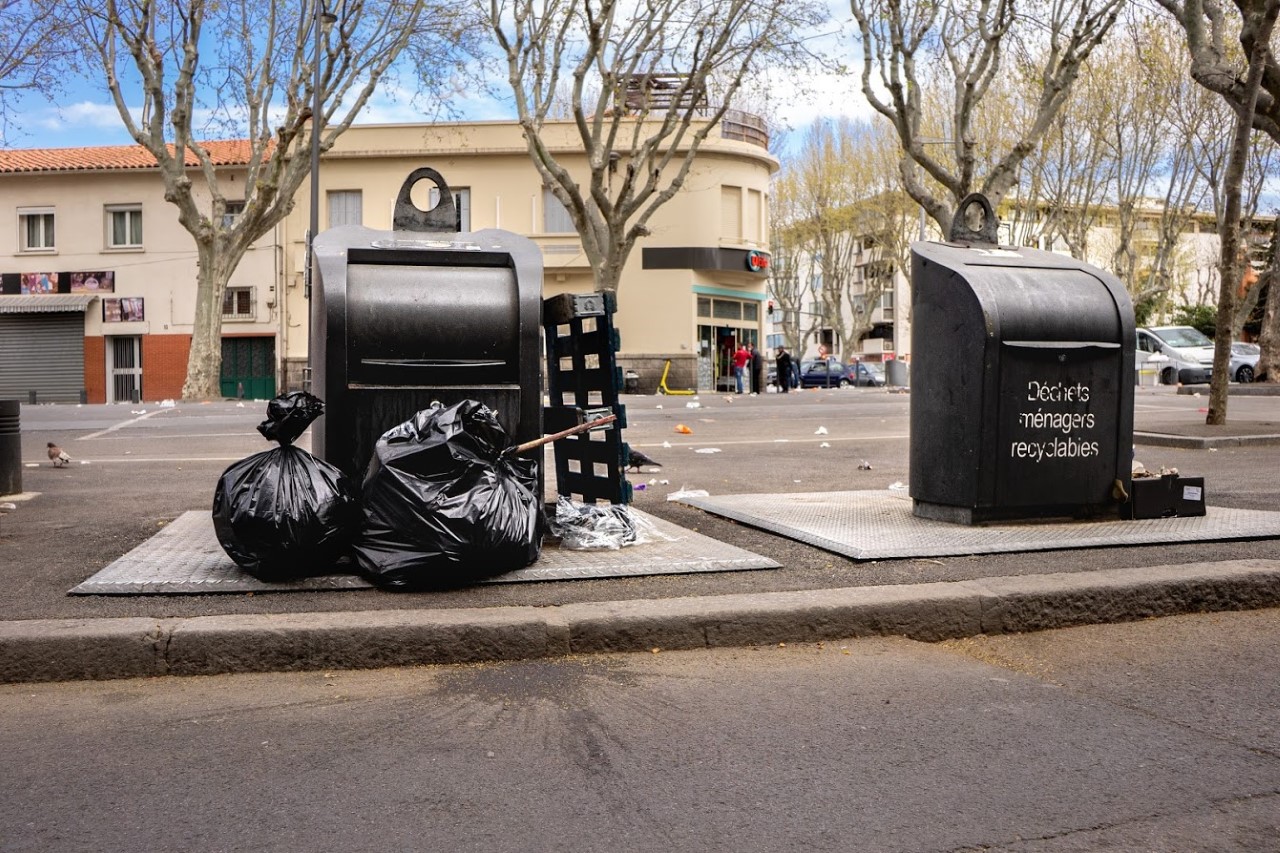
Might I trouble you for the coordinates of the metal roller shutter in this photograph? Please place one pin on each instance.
(42, 352)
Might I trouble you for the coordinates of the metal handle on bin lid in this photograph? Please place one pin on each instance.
(409, 217)
(985, 232)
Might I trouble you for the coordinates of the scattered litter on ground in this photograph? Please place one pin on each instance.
(683, 430)
(707, 450)
(820, 431)
(864, 465)
(686, 492)
(825, 444)
(898, 486)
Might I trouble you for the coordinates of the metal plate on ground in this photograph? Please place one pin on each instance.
(185, 559)
(879, 525)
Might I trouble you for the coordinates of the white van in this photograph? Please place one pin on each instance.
(1189, 353)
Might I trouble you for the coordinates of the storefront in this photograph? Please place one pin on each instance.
(726, 318)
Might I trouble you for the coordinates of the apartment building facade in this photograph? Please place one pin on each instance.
(97, 277)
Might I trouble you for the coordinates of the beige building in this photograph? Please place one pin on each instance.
(98, 285)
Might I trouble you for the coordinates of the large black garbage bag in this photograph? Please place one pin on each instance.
(283, 513)
(444, 505)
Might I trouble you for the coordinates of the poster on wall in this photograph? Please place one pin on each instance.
(39, 282)
(125, 310)
(93, 282)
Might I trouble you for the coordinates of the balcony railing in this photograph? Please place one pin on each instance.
(744, 127)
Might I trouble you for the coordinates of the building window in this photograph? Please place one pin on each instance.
(124, 227)
(753, 233)
(237, 303)
(346, 207)
(461, 201)
(35, 230)
(731, 214)
(231, 213)
(555, 216)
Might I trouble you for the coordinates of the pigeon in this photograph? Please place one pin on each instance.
(58, 455)
(638, 459)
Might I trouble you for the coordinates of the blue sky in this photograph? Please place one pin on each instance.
(84, 114)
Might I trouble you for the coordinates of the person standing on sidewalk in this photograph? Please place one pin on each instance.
(784, 370)
(757, 370)
(741, 358)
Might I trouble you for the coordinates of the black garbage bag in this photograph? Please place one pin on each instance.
(283, 513)
(444, 505)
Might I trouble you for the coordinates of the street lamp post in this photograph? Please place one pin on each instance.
(321, 24)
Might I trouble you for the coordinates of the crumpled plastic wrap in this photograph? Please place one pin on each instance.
(284, 514)
(445, 504)
(600, 527)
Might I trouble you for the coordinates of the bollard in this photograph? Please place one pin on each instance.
(10, 448)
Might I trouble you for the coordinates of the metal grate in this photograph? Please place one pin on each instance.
(185, 559)
(879, 525)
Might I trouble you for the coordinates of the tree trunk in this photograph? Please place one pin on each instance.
(1269, 339)
(204, 364)
(1232, 181)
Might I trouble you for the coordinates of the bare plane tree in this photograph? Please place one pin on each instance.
(1249, 81)
(966, 45)
(639, 80)
(253, 66)
(35, 52)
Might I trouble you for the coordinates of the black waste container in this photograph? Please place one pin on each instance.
(1021, 382)
(10, 447)
(407, 317)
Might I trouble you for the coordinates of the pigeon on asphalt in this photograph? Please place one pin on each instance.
(58, 455)
(638, 459)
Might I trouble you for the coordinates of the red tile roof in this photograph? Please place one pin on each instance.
(227, 152)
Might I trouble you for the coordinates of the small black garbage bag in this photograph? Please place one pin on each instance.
(444, 505)
(283, 513)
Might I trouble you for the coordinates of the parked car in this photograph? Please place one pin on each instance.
(832, 373)
(1189, 353)
(1244, 361)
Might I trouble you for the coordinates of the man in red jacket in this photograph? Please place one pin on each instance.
(741, 358)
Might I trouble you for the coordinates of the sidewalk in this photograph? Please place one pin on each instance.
(140, 476)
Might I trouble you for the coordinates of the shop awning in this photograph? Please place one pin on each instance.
(45, 303)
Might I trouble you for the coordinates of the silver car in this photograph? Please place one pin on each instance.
(1244, 361)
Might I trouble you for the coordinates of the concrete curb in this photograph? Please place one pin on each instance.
(1236, 389)
(1159, 439)
(75, 649)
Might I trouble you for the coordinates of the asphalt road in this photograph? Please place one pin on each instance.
(1159, 735)
(138, 467)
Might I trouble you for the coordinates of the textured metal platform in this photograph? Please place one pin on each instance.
(185, 559)
(879, 525)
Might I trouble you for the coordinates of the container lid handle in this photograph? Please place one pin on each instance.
(974, 222)
(409, 217)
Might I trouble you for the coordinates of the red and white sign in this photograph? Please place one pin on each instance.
(757, 261)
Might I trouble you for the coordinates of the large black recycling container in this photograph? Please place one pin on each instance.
(1021, 381)
(421, 314)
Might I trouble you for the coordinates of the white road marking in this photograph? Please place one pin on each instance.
(120, 425)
